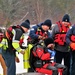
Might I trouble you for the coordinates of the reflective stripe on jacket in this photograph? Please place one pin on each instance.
(26, 57)
(4, 44)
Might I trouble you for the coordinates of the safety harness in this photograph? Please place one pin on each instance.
(9, 35)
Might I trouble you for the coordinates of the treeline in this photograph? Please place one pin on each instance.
(16, 11)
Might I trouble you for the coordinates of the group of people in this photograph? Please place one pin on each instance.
(61, 40)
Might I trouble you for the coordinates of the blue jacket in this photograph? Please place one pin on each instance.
(69, 33)
(33, 31)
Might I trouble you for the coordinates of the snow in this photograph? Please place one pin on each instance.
(19, 66)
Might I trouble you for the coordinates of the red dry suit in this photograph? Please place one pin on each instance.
(40, 62)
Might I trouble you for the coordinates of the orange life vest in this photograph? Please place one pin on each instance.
(8, 33)
(39, 32)
(60, 37)
(1, 36)
(73, 38)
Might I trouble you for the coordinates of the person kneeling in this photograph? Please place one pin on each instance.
(40, 59)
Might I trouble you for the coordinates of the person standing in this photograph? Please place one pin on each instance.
(70, 40)
(12, 42)
(1, 57)
(61, 47)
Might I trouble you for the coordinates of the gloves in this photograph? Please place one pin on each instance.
(52, 52)
(72, 45)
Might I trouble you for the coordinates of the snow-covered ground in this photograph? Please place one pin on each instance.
(19, 66)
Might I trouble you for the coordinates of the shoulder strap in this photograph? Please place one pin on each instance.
(1, 36)
(9, 33)
(60, 26)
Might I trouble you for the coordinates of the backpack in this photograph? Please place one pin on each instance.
(9, 34)
(33, 60)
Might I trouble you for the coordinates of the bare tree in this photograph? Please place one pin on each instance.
(38, 10)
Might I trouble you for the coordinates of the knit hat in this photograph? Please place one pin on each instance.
(47, 23)
(26, 24)
(48, 41)
(66, 18)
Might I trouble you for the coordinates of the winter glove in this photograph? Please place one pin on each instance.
(72, 45)
(52, 52)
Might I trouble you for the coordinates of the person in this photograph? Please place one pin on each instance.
(61, 47)
(1, 57)
(49, 44)
(70, 40)
(3, 63)
(42, 59)
(38, 32)
(14, 43)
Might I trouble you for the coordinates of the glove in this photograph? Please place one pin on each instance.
(52, 52)
(72, 45)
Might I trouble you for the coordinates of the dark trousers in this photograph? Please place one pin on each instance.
(73, 64)
(10, 62)
(30, 70)
(63, 55)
